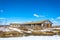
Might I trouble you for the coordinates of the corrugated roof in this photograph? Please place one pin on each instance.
(36, 22)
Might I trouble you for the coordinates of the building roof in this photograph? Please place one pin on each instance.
(37, 22)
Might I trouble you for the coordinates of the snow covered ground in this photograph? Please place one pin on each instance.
(55, 37)
(34, 38)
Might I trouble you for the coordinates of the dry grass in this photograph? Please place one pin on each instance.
(42, 33)
(59, 33)
(35, 32)
(37, 28)
(10, 34)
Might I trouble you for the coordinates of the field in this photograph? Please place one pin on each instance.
(15, 32)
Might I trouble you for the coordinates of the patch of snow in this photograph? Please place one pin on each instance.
(33, 38)
(4, 29)
(45, 30)
(28, 31)
(18, 30)
(31, 29)
(55, 28)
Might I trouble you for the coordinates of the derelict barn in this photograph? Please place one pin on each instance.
(39, 24)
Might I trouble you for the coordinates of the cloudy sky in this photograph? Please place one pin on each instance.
(29, 10)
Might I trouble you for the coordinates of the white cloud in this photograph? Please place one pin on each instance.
(58, 17)
(52, 19)
(55, 22)
(36, 15)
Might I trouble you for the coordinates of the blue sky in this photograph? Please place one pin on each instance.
(30, 10)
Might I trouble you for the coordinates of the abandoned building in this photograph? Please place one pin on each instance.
(41, 24)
